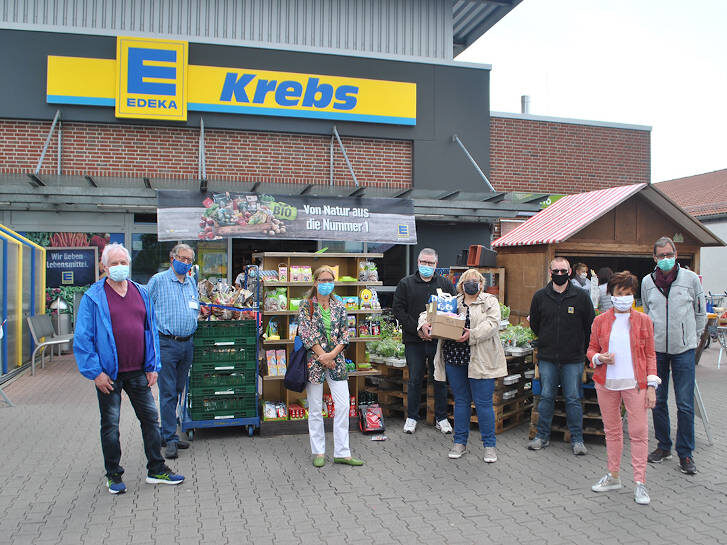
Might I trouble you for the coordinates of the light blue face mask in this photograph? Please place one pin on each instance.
(426, 271)
(666, 264)
(325, 288)
(119, 273)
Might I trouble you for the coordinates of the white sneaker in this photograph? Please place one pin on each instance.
(641, 496)
(444, 426)
(410, 425)
(457, 451)
(607, 483)
(490, 455)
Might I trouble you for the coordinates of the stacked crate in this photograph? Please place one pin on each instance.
(223, 379)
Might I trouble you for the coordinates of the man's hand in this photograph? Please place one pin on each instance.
(104, 383)
(650, 397)
(425, 332)
(606, 358)
(328, 360)
(465, 336)
(151, 378)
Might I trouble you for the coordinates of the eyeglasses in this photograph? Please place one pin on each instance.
(430, 263)
(667, 256)
(559, 271)
(188, 260)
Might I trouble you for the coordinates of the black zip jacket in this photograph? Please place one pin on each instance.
(410, 299)
(562, 323)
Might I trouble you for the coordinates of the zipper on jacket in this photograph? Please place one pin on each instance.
(684, 339)
(666, 348)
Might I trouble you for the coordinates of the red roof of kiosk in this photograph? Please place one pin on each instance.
(567, 216)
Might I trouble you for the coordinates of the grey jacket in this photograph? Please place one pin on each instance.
(679, 320)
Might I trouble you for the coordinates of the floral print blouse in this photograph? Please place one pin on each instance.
(312, 332)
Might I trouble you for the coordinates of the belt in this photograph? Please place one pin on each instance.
(176, 337)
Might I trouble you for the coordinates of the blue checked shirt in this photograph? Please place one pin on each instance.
(176, 304)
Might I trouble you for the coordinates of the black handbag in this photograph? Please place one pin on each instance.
(296, 375)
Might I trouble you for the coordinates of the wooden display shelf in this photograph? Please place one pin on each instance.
(357, 373)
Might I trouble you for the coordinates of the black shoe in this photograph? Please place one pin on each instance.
(687, 465)
(182, 445)
(659, 456)
(171, 451)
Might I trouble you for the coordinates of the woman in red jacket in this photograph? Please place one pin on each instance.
(622, 351)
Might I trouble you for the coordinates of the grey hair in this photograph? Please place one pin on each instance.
(663, 241)
(428, 251)
(561, 259)
(181, 246)
(111, 248)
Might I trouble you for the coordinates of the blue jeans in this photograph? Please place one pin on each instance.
(567, 375)
(137, 388)
(682, 369)
(420, 356)
(176, 360)
(464, 390)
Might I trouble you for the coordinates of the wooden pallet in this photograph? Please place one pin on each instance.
(589, 435)
(512, 420)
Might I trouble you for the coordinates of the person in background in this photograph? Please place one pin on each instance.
(323, 328)
(240, 279)
(472, 363)
(561, 316)
(604, 298)
(674, 300)
(622, 351)
(410, 299)
(175, 297)
(116, 346)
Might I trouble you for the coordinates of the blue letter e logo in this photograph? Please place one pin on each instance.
(139, 72)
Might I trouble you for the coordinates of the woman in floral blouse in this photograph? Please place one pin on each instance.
(322, 327)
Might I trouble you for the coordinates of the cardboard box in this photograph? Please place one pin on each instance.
(444, 327)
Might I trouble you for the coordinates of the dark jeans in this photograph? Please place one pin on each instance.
(137, 388)
(420, 356)
(464, 390)
(682, 369)
(568, 376)
(176, 360)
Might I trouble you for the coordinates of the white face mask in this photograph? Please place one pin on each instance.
(623, 302)
(583, 275)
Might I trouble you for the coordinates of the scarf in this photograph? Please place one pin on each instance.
(663, 280)
(581, 281)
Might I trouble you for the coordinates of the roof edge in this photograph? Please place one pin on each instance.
(571, 121)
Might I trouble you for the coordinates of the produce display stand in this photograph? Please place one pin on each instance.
(348, 265)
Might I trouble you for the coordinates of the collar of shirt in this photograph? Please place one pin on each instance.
(174, 276)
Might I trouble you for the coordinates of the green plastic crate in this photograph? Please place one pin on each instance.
(211, 380)
(226, 351)
(198, 392)
(210, 367)
(221, 408)
(226, 329)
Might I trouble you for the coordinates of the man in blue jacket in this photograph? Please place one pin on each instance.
(117, 347)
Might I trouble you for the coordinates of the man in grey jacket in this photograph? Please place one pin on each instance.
(674, 300)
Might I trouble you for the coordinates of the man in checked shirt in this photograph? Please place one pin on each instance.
(176, 304)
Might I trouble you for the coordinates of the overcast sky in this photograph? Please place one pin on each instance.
(661, 63)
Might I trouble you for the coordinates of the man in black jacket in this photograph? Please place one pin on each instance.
(411, 296)
(561, 316)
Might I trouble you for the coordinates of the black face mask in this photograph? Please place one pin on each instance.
(559, 279)
(471, 287)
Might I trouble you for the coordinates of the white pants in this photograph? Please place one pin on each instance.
(341, 402)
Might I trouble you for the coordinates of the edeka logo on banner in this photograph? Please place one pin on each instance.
(150, 79)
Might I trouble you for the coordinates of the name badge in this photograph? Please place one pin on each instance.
(194, 305)
(571, 310)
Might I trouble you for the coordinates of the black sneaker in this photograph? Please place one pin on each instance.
(687, 465)
(170, 450)
(180, 444)
(659, 456)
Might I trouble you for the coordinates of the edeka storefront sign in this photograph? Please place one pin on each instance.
(151, 79)
(71, 266)
(187, 215)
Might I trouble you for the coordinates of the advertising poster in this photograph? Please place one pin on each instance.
(67, 267)
(186, 215)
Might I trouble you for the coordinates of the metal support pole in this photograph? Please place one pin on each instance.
(202, 156)
(345, 155)
(60, 147)
(456, 139)
(331, 158)
(701, 412)
(47, 141)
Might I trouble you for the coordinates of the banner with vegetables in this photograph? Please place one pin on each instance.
(186, 215)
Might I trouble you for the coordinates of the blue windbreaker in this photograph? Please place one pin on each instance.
(93, 340)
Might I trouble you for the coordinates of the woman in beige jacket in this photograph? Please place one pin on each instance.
(472, 363)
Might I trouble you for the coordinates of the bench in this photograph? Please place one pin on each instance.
(41, 327)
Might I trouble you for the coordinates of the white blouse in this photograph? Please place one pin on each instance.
(620, 375)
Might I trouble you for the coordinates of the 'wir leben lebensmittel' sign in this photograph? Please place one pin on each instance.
(185, 215)
(71, 266)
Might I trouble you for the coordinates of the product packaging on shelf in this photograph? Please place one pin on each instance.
(281, 362)
(276, 299)
(282, 273)
(292, 329)
(272, 363)
(351, 303)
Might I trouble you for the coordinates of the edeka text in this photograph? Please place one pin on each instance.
(245, 88)
(153, 103)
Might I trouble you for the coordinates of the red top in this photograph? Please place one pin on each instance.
(128, 317)
(642, 345)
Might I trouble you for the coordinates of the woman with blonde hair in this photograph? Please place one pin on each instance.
(472, 363)
(323, 329)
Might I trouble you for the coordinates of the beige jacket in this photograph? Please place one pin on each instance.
(487, 357)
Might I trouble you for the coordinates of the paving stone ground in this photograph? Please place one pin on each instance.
(264, 490)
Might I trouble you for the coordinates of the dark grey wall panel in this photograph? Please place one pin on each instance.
(448, 239)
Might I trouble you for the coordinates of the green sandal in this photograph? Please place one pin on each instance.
(319, 461)
(348, 461)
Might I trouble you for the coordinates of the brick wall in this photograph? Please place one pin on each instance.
(555, 157)
(171, 152)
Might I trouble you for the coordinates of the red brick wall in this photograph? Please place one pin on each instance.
(171, 152)
(550, 157)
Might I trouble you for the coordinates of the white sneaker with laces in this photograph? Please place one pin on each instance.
(490, 455)
(607, 483)
(641, 496)
(457, 451)
(444, 426)
(410, 425)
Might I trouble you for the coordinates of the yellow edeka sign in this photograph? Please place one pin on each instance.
(151, 79)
